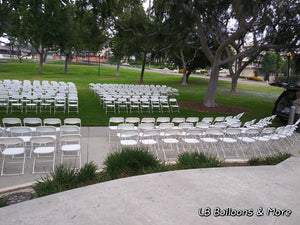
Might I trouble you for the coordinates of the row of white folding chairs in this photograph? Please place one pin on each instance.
(34, 122)
(43, 147)
(255, 139)
(139, 105)
(113, 121)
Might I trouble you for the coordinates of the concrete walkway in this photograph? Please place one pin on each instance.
(176, 197)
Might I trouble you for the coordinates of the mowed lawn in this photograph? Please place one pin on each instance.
(259, 98)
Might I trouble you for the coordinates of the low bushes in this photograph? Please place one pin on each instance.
(269, 160)
(255, 78)
(129, 162)
(64, 178)
(196, 160)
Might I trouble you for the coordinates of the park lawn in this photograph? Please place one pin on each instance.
(259, 98)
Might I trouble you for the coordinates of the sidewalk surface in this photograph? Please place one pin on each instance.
(232, 195)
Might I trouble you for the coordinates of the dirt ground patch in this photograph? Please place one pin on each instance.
(220, 108)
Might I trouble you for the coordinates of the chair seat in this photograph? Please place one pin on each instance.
(191, 140)
(148, 142)
(128, 142)
(209, 140)
(228, 140)
(13, 151)
(170, 140)
(247, 139)
(44, 150)
(69, 148)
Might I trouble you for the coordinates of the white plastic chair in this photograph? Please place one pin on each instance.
(249, 138)
(44, 149)
(13, 147)
(70, 146)
(113, 125)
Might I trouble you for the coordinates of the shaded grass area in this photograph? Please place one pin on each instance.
(260, 99)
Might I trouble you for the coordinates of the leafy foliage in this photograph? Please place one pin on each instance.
(129, 162)
(195, 160)
(269, 160)
(64, 178)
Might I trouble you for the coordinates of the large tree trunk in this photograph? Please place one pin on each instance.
(41, 60)
(209, 100)
(143, 69)
(118, 68)
(68, 61)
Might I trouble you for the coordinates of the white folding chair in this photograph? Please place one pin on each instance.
(113, 125)
(73, 105)
(32, 123)
(171, 140)
(13, 147)
(44, 149)
(211, 139)
(56, 122)
(129, 138)
(191, 139)
(70, 146)
(249, 138)
(230, 141)
(149, 138)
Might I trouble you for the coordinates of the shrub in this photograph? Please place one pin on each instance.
(255, 78)
(195, 160)
(129, 162)
(293, 79)
(269, 160)
(64, 178)
(2, 203)
(87, 173)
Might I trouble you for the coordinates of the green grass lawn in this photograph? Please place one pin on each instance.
(260, 99)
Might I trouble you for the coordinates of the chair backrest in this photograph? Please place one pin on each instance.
(52, 122)
(69, 129)
(154, 133)
(125, 126)
(20, 131)
(72, 121)
(70, 139)
(164, 126)
(8, 122)
(129, 134)
(232, 131)
(46, 130)
(207, 119)
(148, 120)
(178, 120)
(185, 126)
(172, 132)
(214, 131)
(192, 119)
(11, 141)
(146, 126)
(32, 122)
(40, 140)
(116, 120)
(163, 120)
(134, 120)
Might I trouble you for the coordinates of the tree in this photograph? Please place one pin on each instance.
(265, 21)
(269, 62)
(35, 22)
